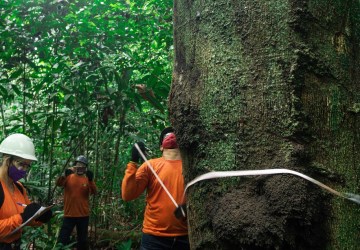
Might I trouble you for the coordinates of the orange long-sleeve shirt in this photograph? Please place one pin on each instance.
(77, 189)
(159, 218)
(10, 211)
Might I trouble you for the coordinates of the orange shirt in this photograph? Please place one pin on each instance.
(77, 189)
(159, 218)
(10, 217)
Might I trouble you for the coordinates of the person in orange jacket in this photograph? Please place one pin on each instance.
(161, 229)
(78, 185)
(18, 152)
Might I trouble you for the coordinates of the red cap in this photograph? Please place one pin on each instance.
(169, 141)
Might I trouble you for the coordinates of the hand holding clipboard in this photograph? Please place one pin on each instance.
(27, 219)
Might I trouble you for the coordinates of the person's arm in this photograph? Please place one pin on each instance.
(134, 182)
(60, 182)
(93, 188)
(9, 224)
(43, 218)
(92, 185)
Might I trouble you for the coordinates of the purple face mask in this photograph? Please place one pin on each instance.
(16, 174)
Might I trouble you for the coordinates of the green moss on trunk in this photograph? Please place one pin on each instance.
(268, 84)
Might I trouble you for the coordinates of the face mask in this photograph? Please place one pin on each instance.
(16, 174)
(80, 170)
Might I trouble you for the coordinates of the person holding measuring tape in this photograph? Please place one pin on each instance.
(163, 180)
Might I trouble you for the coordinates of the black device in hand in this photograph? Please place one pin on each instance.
(135, 155)
(180, 211)
(90, 175)
(45, 217)
(29, 211)
(68, 172)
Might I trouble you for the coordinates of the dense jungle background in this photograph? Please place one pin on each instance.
(85, 77)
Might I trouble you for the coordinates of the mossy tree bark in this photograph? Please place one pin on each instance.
(269, 84)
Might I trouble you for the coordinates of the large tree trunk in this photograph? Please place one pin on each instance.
(261, 84)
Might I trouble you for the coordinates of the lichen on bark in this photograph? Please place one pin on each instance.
(268, 84)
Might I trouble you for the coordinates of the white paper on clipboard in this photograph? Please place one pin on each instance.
(38, 213)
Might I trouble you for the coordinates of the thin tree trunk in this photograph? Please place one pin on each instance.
(268, 84)
(3, 118)
(24, 96)
(51, 160)
(96, 170)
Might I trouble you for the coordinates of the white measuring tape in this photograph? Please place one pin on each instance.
(159, 180)
(221, 174)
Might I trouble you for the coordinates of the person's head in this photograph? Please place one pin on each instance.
(168, 139)
(80, 165)
(18, 153)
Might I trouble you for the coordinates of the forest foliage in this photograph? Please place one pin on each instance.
(85, 77)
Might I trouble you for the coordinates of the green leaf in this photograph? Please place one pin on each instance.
(3, 91)
(154, 44)
(126, 245)
(64, 126)
(29, 120)
(16, 74)
(28, 95)
(103, 73)
(120, 82)
(16, 89)
(77, 65)
(31, 64)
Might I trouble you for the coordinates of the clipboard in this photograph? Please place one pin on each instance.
(36, 215)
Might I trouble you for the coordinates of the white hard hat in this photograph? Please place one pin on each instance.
(18, 145)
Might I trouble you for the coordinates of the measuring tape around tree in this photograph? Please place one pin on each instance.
(221, 174)
(236, 173)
